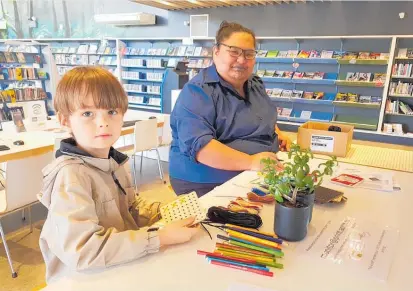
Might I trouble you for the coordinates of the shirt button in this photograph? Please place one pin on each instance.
(260, 118)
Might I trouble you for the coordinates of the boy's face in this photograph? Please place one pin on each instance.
(95, 130)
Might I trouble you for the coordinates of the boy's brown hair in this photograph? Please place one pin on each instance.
(97, 82)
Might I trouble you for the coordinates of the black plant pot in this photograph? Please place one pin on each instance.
(290, 223)
(307, 199)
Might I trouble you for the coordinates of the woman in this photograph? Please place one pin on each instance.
(223, 122)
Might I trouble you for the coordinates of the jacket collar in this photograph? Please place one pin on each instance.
(115, 159)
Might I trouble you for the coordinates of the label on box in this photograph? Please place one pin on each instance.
(322, 143)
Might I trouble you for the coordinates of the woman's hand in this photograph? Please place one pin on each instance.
(283, 140)
(256, 161)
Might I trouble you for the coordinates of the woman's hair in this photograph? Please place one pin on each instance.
(84, 82)
(226, 29)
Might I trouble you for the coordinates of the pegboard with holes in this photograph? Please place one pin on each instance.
(183, 207)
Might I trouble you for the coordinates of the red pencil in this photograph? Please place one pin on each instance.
(261, 272)
(219, 256)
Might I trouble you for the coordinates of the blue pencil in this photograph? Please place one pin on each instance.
(238, 264)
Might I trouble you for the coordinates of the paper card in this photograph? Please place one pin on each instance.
(183, 207)
(347, 180)
(357, 246)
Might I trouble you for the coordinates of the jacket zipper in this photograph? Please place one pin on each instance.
(118, 183)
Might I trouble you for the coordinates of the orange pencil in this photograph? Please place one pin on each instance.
(253, 239)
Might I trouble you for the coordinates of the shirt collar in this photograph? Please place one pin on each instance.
(212, 76)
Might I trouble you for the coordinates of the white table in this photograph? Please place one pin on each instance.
(180, 268)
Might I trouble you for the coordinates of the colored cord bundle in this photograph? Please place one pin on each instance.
(219, 215)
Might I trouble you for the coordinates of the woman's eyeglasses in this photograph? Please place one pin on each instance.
(236, 52)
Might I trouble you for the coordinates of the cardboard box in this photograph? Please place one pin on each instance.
(315, 135)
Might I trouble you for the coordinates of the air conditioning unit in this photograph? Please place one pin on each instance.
(126, 19)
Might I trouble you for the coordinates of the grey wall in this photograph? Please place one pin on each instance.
(311, 19)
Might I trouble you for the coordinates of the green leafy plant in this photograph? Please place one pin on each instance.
(296, 177)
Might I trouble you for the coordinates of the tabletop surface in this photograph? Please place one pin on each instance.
(180, 268)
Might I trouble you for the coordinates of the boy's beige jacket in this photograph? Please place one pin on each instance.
(95, 220)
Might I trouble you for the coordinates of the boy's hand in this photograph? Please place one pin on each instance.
(177, 232)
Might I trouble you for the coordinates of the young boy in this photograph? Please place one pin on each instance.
(95, 220)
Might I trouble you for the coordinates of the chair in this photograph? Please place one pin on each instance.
(146, 139)
(166, 138)
(20, 194)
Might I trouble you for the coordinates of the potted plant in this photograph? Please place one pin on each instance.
(293, 189)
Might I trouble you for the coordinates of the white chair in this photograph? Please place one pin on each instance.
(146, 139)
(166, 138)
(24, 181)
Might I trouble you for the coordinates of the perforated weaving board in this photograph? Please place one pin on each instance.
(183, 207)
(392, 159)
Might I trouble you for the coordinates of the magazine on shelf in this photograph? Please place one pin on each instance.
(297, 94)
(352, 77)
(282, 54)
(352, 97)
(304, 54)
(288, 74)
(262, 53)
(327, 54)
(292, 53)
(308, 75)
(272, 54)
(364, 55)
(308, 95)
(319, 75)
(365, 99)
(298, 75)
(350, 55)
(364, 77)
(338, 54)
(318, 95)
(269, 73)
(379, 77)
(341, 97)
(277, 92)
(287, 93)
(279, 74)
(315, 54)
(260, 73)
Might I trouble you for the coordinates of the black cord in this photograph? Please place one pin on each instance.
(220, 215)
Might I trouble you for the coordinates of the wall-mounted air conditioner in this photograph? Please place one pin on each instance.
(126, 19)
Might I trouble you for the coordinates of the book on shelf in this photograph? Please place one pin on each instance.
(279, 74)
(352, 97)
(269, 73)
(303, 54)
(297, 94)
(272, 54)
(393, 128)
(260, 73)
(318, 95)
(341, 97)
(308, 75)
(197, 51)
(402, 70)
(262, 53)
(352, 77)
(338, 54)
(363, 55)
(401, 88)
(350, 55)
(288, 74)
(287, 93)
(308, 95)
(282, 54)
(298, 75)
(292, 53)
(190, 50)
(364, 77)
(325, 54)
(315, 54)
(379, 77)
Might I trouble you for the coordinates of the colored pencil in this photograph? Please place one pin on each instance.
(249, 246)
(219, 256)
(239, 264)
(263, 261)
(264, 273)
(258, 235)
(235, 248)
(252, 230)
(253, 239)
(253, 257)
(253, 244)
